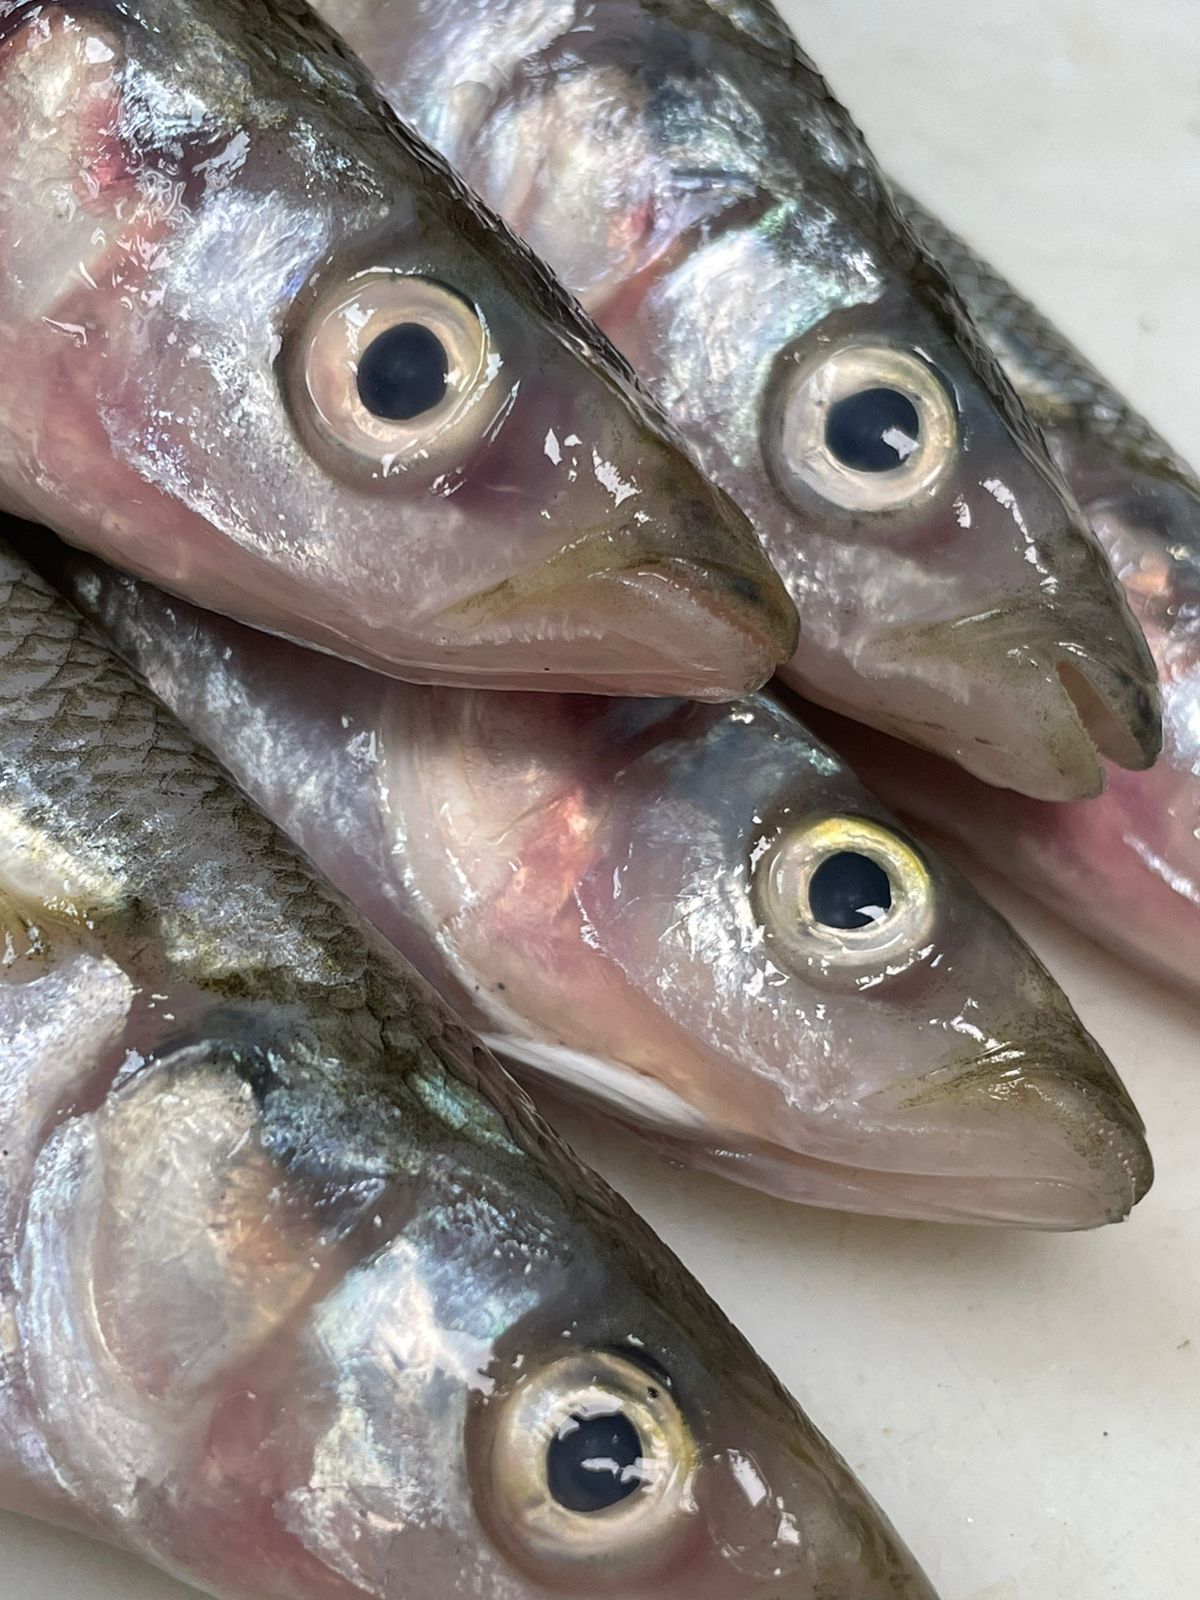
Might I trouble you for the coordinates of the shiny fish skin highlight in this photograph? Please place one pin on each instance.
(657, 907)
(258, 343)
(298, 1296)
(686, 172)
(1137, 848)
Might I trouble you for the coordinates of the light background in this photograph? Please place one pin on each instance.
(1027, 1408)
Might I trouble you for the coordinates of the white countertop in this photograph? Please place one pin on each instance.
(1027, 1408)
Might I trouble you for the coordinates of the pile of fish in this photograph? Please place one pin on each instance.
(385, 612)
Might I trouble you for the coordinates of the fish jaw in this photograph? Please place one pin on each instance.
(974, 686)
(1002, 1143)
(1065, 1147)
(213, 438)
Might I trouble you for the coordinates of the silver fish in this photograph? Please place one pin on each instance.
(298, 1296)
(258, 344)
(692, 916)
(1137, 847)
(686, 171)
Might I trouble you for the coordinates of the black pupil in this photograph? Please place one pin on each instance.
(874, 430)
(402, 373)
(849, 890)
(592, 1462)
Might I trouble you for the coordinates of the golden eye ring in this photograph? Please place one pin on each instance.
(869, 427)
(591, 1466)
(390, 372)
(875, 910)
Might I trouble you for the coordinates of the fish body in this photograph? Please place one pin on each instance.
(685, 170)
(259, 344)
(298, 1296)
(1137, 847)
(693, 917)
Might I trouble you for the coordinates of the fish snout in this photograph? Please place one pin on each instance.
(717, 555)
(675, 597)
(1047, 1136)
(1026, 698)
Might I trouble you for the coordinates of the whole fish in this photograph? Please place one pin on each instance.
(693, 916)
(257, 343)
(686, 171)
(298, 1296)
(1125, 867)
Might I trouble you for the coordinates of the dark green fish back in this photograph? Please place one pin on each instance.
(814, 150)
(204, 894)
(1058, 384)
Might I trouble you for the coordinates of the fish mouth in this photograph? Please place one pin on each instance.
(1024, 705)
(1051, 1144)
(1121, 713)
(604, 617)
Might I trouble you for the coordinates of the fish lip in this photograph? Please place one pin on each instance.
(1087, 702)
(746, 602)
(609, 553)
(1050, 1142)
(1075, 1113)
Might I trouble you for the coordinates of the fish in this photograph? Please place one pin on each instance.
(692, 918)
(260, 345)
(686, 171)
(299, 1296)
(1137, 847)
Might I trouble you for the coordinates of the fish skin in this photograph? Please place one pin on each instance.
(686, 171)
(194, 201)
(583, 883)
(282, 1247)
(1137, 847)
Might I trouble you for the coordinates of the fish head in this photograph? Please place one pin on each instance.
(697, 918)
(273, 356)
(561, 1412)
(554, 517)
(396, 1342)
(950, 590)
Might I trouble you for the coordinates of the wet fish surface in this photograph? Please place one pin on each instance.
(298, 1296)
(686, 171)
(691, 916)
(1137, 848)
(259, 344)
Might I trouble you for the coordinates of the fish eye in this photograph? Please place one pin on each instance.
(868, 427)
(849, 890)
(590, 1466)
(389, 372)
(872, 430)
(845, 892)
(402, 373)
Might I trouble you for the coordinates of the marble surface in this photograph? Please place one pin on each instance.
(1027, 1408)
